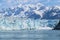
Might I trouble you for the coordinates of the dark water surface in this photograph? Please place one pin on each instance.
(30, 35)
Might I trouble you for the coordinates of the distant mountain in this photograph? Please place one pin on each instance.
(52, 13)
(37, 11)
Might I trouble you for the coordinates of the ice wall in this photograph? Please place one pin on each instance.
(19, 24)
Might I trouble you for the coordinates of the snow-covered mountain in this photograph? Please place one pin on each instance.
(37, 11)
(52, 13)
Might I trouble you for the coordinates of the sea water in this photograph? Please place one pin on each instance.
(30, 35)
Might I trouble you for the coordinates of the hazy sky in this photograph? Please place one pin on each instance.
(10, 3)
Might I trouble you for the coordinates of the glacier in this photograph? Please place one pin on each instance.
(18, 24)
(31, 16)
